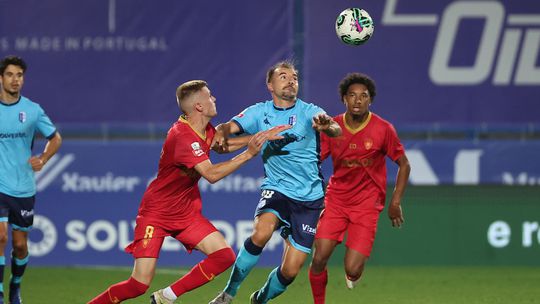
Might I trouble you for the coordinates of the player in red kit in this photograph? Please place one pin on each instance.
(356, 192)
(171, 205)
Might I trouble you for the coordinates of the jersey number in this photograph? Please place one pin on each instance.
(149, 232)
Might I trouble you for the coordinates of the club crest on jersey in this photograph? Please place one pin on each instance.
(292, 120)
(197, 151)
(22, 117)
(368, 143)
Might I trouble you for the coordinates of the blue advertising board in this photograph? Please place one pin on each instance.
(444, 61)
(89, 193)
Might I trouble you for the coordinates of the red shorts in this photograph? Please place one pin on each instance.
(150, 233)
(360, 225)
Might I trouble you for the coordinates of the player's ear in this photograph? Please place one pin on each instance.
(269, 87)
(197, 106)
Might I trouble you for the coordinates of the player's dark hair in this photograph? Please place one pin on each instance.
(186, 89)
(13, 60)
(288, 64)
(359, 78)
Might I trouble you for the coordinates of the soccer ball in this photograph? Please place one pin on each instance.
(354, 26)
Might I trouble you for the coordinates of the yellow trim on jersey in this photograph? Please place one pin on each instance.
(360, 128)
(183, 119)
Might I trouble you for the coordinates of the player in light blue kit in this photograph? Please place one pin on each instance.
(20, 118)
(292, 191)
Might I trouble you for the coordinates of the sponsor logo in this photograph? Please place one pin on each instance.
(12, 135)
(308, 229)
(27, 213)
(197, 151)
(49, 237)
(506, 53)
(73, 182)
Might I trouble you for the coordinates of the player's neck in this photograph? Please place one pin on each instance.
(283, 104)
(355, 121)
(9, 98)
(198, 123)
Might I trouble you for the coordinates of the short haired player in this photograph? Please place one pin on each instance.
(292, 191)
(171, 205)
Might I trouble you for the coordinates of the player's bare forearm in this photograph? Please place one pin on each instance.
(334, 130)
(236, 143)
(324, 123)
(395, 212)
(51, 148)
(214, 172)
(221, 141)
(402, 179)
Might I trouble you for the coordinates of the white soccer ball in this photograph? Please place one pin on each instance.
(354, 26)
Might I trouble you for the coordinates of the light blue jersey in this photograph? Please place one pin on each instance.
(18, 124)
(292, 164)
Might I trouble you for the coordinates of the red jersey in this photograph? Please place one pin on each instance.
(174, 194)
(358, 158)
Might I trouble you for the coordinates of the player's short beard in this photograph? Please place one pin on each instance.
(288, 97)
(10, 93)
(358, 117)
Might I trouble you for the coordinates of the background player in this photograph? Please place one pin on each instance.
(356, 191)
(171, 205)
(292, 191)
(19, 119)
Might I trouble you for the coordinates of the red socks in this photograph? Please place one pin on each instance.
(120, 291)
(318, 286)
(205, 271)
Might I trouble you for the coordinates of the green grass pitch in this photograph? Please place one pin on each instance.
(380, 284)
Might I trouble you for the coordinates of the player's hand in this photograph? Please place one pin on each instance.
(322, 122)
(219, 143)
(37, 163)
(396, 215)
(272, 133)
(257, 141)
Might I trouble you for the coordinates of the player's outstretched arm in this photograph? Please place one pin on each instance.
(324, 123)
(394, 209)
(225, 144)
(214, 172)
(222, 142)
(52, 146)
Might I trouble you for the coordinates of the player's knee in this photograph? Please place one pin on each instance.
(354, 273)
(260, 238)
(289, 273)
(3, 239)
(319, 261)
(20, 247)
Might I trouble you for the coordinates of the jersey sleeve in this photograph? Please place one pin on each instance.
(44, 124)
(325, 146)
(189, 151)
(393, 146)
(247, 119)
(314, 110)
